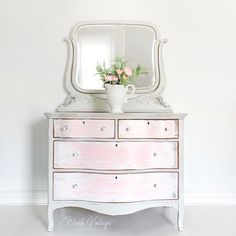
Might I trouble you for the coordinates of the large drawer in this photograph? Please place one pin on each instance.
(115, 155)
(115, 188)
(84, 128)
(148, 129)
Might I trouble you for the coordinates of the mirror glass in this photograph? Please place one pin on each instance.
(103, 43)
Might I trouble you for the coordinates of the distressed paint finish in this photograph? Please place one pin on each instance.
(129, 193)
(115, 187)
(115, 155)
(84, 128)
(148, 128)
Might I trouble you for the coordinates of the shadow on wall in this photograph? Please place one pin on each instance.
(39, 160)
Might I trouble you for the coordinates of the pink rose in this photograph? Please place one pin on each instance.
(114, 78)
(109, 77)
(128, 71)
(119, 71)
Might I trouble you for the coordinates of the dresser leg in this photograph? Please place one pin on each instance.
(50, 220)
(180, 219)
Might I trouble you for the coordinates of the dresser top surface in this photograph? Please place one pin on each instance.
(68, 115)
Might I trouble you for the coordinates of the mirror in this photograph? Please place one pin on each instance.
(91, 42)
(103, 43)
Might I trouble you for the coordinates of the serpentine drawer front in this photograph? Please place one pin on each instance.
(115, 164)
(148, 129)
(115, 155)
(115, 187)
(84, 128)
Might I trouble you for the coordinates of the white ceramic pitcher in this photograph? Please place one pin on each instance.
(117, 96)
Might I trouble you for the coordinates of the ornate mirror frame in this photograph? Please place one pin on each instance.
(79, 100)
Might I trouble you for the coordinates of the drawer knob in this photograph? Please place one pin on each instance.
(166, 129)
(103, 128)
(127, 129)
(75, 154)
(75, 186)
(65, 128)
(155, 154)
(155, 185)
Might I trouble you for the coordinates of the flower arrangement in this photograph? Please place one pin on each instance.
(119, 73)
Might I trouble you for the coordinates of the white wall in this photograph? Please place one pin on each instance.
(200, 68)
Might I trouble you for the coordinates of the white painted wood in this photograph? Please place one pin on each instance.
(115, 187)
(90, 180)
(181, 177)
(50, 175)
(98, 115)
(148, 99)
(115, 155)
(103, 160)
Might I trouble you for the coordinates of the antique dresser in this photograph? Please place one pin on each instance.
(115, 163)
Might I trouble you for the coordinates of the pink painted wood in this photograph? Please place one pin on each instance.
(148, 128)
(84, 128)
(115, 188)
(113, 156)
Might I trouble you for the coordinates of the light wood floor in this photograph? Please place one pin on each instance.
(199, 221)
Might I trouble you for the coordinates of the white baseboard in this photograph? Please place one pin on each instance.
(191, 197)
(23, 197)
(210, 197)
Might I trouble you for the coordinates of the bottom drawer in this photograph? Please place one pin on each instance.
(116, 187)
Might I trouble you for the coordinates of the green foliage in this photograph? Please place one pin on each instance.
(119, 72)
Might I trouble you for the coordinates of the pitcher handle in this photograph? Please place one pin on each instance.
(132, 92)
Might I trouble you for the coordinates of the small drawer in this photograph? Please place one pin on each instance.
(115, 155)
(84, 128)
(115, 188)
(148, 129)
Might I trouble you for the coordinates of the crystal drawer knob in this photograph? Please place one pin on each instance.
(65, 128)
(155, 154)
(103, 128)
(166, 129)
(155, 185)
(127, 129)
(75, 186)
(75, 154)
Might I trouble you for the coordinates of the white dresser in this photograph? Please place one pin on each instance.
(115, 163)
(121, 163)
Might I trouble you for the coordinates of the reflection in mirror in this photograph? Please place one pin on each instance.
(98, 43)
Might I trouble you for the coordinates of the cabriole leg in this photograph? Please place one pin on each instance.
(50, 220)
(180, 218)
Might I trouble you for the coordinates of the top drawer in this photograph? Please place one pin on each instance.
(148, 129)
(84, 128)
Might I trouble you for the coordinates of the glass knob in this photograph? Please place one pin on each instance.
(166, 129)
(74, 186)
(127, 129)
(155, 154)
(155, 185)
(65, 127)
(103, 128)
(75, 154)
